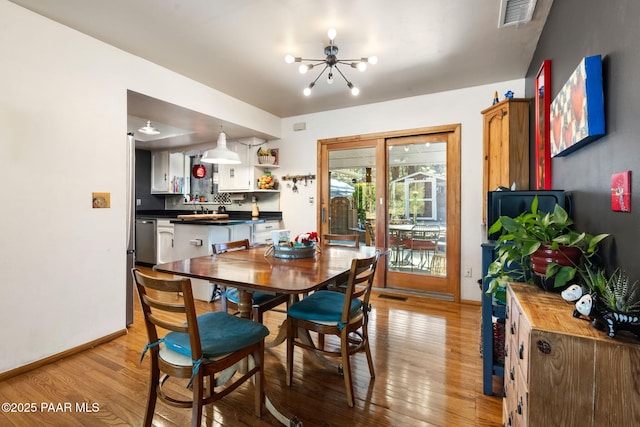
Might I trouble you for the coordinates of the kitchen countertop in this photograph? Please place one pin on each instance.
(227, 221)
(235, 217)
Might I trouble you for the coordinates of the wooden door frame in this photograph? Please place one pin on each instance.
(451, 285)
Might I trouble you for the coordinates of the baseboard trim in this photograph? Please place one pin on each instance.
(75, 350)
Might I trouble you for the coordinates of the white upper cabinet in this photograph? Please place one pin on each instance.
(169, 173)
(237, 178)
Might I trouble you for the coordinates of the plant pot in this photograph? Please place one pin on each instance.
(565, 255)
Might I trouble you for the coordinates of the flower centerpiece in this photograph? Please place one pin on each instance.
(306, 239)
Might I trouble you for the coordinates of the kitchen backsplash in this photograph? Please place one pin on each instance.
(235, 201)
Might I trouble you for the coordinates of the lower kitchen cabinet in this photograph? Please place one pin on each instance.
(164, 241)
(561, 371)
(262, 232)
(193, 240)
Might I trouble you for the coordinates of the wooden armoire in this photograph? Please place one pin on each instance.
(506, 147)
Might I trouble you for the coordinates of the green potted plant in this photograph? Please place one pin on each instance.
(539, 247)
(612, 303)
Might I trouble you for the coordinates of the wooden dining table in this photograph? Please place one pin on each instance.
(258, 270)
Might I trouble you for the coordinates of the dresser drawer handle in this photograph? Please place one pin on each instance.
(512, 375)
(521, 351)
(520, 406)
(544, 347)
(513, 329)
(506, 350)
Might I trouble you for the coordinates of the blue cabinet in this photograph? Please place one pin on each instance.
(491, 309)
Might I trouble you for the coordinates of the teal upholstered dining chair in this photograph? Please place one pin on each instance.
(343, 314)
(262, 301)
(196, 347)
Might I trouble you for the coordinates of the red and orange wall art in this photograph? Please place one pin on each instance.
(577, 112)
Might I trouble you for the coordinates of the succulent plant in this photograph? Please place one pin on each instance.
(615, 292)
(619, 294)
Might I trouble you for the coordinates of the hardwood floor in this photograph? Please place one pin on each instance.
(426, 354)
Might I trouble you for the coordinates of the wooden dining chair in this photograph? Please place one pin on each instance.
(348, 240)
(345, 315)
(344, 240)
(197, 347)
(261, 301)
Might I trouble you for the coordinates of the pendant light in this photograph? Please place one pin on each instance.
(221, 154)
(148, 129)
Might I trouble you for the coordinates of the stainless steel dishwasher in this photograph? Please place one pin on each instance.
(146, 241)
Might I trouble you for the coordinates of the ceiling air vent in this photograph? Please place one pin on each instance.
(516, 12)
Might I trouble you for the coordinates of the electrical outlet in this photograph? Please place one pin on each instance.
(468, 272)
(138, 202)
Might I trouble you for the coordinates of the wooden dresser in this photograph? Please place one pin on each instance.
(561, 371)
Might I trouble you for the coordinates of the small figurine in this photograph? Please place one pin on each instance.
(583, 306)
(572, 293)
(508, 94)
(606, 320)
(495, 98)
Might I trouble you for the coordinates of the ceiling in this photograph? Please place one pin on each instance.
(238, 47)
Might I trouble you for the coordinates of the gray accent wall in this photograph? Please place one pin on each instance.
(575, 29)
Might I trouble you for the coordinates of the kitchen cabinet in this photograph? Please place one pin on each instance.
(165, 241)
(193, 240)
(243, 177)
(241, 232)
(561, 371)
(236, 178)
(262, 232)
(169, 173)
(506, 147)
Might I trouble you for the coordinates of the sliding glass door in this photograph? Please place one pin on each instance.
(398, 191)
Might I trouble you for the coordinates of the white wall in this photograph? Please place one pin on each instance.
(63, 121)
(299, 155)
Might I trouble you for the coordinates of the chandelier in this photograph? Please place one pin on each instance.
(331, 62)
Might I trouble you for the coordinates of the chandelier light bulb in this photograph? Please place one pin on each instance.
(303, 68)
(361, 66)
(307, 90)
(289, 59)
(373, 60)
(355, 91)
(331, 33)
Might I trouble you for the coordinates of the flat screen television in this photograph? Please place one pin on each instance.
(513, 203)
